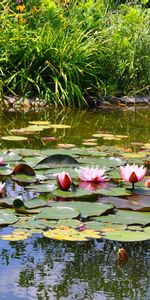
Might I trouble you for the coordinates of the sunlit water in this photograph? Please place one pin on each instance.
(40, 268)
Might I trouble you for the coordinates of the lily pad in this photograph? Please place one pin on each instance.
(23, 169)
(60, 126)
(7, 217)
(126, 217)
(86, 209)
(70, 234)
(16, 235)
(19, 207)
(14, 138)
(127, 236)
(58, 159)
(59, 212)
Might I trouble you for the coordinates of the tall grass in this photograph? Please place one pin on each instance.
(63, 51)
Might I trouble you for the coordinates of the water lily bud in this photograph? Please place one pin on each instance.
(122, 254)
(64, 181)
(1, 161)
(147, 183)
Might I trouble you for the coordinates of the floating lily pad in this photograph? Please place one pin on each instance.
(60, 159)
(115, 192)
(85, 209)
(34, 203)
(19, 207)
(14, 138)
(41, 188)
(77, 193)
(60, 126)
(7, 217)
(39, 122)
(16, 235)
(126, 217)
(59, 212)
(127, 236)
(70, 234)
(23, 169)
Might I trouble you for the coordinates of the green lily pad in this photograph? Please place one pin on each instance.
(115, 192)
(7, 217)
(34, 203)
(59, 212)
(127, 236)
(102, 162)
(72, 223)
(86, 209)
(41, 188)
(59, 159)
(77, 193)
(126, 217)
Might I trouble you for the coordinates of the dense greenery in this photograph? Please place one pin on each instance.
(65, 50)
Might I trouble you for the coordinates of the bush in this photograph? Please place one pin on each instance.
(64, 50)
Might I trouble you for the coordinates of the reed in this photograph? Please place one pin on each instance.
(62, 51)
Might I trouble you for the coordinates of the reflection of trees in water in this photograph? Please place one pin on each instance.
(83, 124)
(65, 270)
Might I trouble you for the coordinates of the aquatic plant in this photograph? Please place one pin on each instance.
(64, 181)
(66, 55)
(92, 174)
(132, 173)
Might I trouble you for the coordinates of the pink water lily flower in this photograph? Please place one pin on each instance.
(1, 188)
(147, 183)
(92, 174)
(64, 181)
(132, 173)
(1, 161)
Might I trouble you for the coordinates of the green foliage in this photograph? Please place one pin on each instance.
(64, 50)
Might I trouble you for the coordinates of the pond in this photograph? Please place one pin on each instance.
(40, 267)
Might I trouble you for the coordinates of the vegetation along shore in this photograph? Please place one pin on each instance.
(69, 52)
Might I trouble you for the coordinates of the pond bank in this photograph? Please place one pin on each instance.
(14, 103)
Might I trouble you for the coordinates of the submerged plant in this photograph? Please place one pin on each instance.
(132, 173)
(92, 174)
(64, 181)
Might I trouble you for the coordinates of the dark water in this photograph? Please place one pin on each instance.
(40, 268)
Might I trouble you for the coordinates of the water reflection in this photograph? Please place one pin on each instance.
(40, 268)
(83, 124)
(43, 269)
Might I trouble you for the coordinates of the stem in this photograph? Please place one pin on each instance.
(133, 185)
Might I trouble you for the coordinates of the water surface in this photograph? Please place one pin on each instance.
(40, 268)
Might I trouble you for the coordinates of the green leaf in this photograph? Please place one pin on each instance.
(78, 193)
(7, 217)
(59, 212)
(86, 209)
(19, 207)
(127, 236)
(115, 192)
(59, 159)
(126, 217)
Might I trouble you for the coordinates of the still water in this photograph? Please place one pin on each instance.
(40, 268)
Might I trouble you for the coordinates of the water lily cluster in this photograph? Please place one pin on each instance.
(129, 173)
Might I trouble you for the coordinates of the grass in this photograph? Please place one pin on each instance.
(63, 51)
